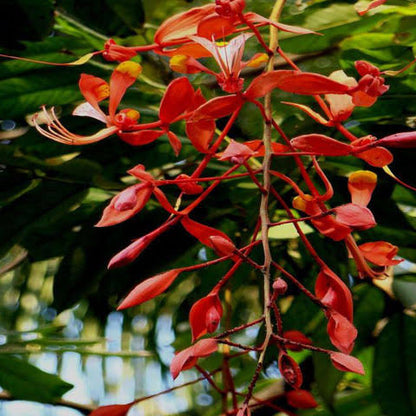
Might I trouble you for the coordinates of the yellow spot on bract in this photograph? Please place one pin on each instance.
(102, 92)
(178, 63)
(300, 203)
(132, 114)
(258, 60)
(222, 43)
(362, 177)
(130, 68)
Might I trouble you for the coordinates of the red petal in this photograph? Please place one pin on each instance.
(139, 171)
(187, 358)
(149, 289)
(216, 27)
(114, 214)
(361, 185)
(174, 142)
(182, 25)
(237, 151)
(216, 108)
(176, 99)
(321, 145)
(205, 315)
(333, 292)
(93, 89)
(377, 157)
(204, 233)
(123, 77)
(341, 331)
(200, 133)
(344, 362)
(380, 253)
(355, 216)
(297, 82)
(301, 399)
(139, 138)
(112, 410)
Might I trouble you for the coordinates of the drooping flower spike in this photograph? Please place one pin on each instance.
(95, 90)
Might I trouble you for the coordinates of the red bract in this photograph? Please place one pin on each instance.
(361, 185)
(370, 86)
(320, 144)
(229, 8)
(113, 410)
(236, 153)
(333, 292)
(205, 316)
(209, 236)
(149, 289)
(327, 225)
(355, 216)
(186, 359)
(305, 83)
(344, 362)
(290, 370)
(341, 331)
(301, 399)
(190, 187)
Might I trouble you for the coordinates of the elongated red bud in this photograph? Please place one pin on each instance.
(280, 286)
(301, 399)
(113, 52)
(222, 246)
(149, 289)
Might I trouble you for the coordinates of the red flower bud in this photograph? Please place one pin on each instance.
(290, 370)
(280, 286)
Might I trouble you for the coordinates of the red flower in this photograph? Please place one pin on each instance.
(380, 253)
(95, 90)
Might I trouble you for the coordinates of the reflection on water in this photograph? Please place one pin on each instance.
(114, 373)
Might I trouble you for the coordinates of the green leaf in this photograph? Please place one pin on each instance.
(26, 382)
(394, 372)
(131, 12)
(24, 20)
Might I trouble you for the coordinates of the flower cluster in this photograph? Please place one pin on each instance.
(220, 31)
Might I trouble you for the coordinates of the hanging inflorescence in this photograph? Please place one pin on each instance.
(220, 31)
